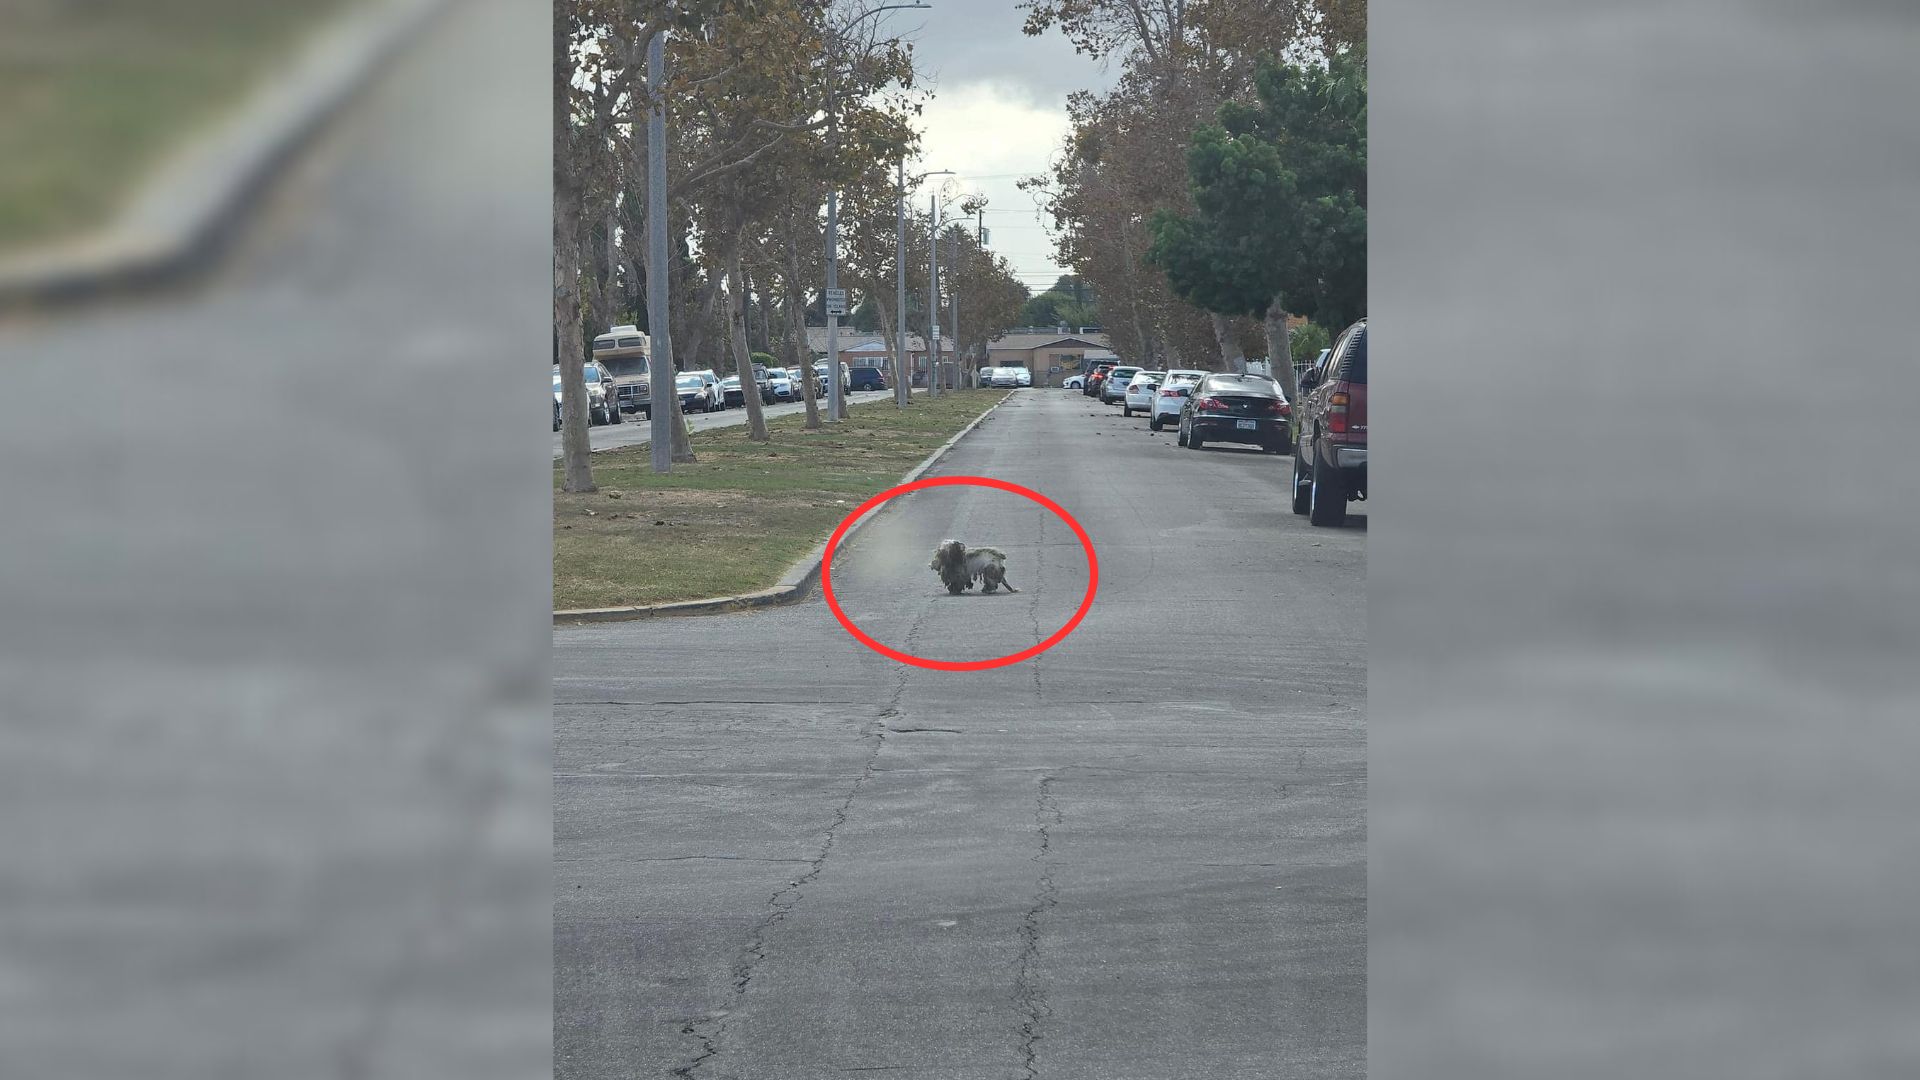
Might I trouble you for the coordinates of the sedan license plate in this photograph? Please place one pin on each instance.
(1245, 425)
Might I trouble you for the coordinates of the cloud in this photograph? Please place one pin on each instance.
(991, 134)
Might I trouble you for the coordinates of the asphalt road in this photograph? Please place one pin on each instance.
(1141, 855)
(637, 431)
(273, 743)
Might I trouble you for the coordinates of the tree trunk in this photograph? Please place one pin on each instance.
(1280, 352)
(742, 361)
(797, 317)
(575, 449)
(1229, 341)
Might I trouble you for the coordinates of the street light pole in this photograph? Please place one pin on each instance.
(933, 298)
(903, 375)
(660, 367)
(836, 389)
(953, 304)
(904, 390)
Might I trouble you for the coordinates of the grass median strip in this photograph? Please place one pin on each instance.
(736, 520)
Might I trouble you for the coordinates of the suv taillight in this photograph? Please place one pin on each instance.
(1337, 403)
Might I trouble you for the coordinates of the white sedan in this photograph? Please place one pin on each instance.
(1141, 392)
(1168, 400)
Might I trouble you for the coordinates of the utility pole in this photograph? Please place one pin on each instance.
(953, 302)
(980, 239)
(904, 390)
(933, 299)
(660, 370)
(836, 391)
(903, 375)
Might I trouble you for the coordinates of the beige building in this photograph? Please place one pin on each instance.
(1051, 357)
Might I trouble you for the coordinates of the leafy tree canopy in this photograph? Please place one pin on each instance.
(1279, 188)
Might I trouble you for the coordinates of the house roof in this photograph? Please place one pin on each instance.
(852, 340)
(1023, 342)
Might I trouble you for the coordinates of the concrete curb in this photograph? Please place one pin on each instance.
(191, 207)
(794, 585)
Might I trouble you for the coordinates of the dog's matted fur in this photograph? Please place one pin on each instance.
(960, 566)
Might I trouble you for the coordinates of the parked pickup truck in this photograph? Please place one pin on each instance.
(1330, 424)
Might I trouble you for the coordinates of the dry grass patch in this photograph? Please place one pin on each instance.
(93, 95)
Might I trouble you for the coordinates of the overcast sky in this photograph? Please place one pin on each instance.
(999, 113)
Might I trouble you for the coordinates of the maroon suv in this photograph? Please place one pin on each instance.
(1330, 426)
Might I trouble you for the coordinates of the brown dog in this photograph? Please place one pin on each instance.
(960, 566)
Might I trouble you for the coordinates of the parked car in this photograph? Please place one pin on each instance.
(1074, 382)
(712, 379)
(731, 393)
(1185, 375)
(1113, 389)
(1330, 467)
(599, 382)
(780, 383)
(696, 394)
(1140, 391)
(869, 377)
(1232, 408)
(1094, 377)
(1023, 375)
(1003, 377)
(1168, 400)
(846, 377)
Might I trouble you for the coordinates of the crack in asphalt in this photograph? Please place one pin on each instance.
(1028, 992)
(717, 858)
(1033, 609)
(712, 1028)
(703, 701)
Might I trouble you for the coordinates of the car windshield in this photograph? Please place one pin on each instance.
(691, 382)
(1243, 384)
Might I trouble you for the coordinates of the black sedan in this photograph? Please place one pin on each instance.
(1245, 409)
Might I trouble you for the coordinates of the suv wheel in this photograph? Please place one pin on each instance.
(1327, 503)
(1155, 424)
(1302, 487)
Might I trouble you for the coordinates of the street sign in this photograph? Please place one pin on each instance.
(936, 331)
(836, 301)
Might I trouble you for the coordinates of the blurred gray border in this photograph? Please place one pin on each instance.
(1642, 576)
